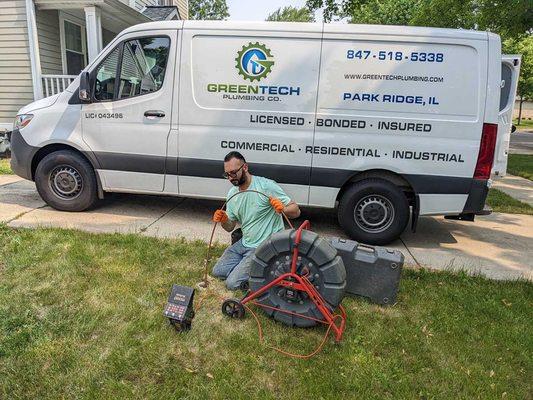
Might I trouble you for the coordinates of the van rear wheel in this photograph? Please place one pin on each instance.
(66, 181)
(373, 211)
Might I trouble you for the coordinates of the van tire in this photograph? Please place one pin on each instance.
(373, 211)
(66, 181)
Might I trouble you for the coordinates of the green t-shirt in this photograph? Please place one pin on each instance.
(253, 211)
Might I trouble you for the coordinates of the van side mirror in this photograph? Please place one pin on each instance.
(513, 128)
(85, 88)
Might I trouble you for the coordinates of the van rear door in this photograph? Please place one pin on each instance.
(509, 82)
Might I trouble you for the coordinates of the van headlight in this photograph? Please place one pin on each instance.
(22, 120)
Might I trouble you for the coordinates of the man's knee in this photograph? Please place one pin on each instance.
(219, 270)
(226, 263)
(240, 274)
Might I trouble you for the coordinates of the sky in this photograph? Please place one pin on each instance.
(257, 10)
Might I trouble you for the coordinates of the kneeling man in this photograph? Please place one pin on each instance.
(258, 216)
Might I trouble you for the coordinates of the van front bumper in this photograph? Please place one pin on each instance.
(21, 155)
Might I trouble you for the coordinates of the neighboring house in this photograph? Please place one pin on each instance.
(44, 44)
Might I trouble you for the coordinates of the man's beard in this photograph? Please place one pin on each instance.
(240, 181)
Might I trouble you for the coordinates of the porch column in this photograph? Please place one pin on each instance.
(93, 21)
(35, 59)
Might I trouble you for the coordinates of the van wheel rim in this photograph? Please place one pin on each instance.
(374, 213)
(66, 182)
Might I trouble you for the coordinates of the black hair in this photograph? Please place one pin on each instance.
(234, 154)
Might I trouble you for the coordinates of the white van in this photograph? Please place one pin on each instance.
(379, 121)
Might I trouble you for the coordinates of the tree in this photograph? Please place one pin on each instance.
(523, 46)
(292, 14)
(208, 9)
(332, 9)
(508, 18)
(398, 12)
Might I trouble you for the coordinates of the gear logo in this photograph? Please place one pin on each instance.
(254, 61)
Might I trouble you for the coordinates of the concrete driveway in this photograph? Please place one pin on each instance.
(499, 246)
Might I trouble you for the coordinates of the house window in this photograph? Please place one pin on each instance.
(75, 48)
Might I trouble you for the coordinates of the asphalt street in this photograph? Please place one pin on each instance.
(521, 142)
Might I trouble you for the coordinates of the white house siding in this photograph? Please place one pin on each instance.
(16, 88)
(183, 7)
(107, 36)
(140, 4)
(49, 41)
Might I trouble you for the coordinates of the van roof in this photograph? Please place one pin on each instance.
(335, 28)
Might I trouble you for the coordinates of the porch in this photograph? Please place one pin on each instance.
(69, 34)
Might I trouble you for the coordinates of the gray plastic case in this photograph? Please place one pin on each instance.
(371, 271)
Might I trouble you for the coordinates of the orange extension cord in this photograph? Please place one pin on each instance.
(259, 327)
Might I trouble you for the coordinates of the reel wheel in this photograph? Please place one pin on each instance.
(233, 308)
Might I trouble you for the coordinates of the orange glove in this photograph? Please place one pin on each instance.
(277, 204)
(220, 216)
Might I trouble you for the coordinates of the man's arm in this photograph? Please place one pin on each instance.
(222, 217)
(228, 225)
(292, 210)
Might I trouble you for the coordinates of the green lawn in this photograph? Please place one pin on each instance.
(521, 165)
(502, 202)
(525, 124)
(81, 317)
(4, 166)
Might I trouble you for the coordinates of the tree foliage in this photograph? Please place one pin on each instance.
(508, 18)
(208, 9)
(523, 46)
(292, 14)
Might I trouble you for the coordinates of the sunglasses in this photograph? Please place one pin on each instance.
(232, 174)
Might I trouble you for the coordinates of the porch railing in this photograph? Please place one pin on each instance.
(53, 84)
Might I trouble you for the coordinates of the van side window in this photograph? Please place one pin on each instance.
(105, 77)
(507, 75)
(143, 66)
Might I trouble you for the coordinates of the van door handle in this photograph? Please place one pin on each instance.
(154, 113)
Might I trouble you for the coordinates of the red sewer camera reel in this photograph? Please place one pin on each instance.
(300, 279)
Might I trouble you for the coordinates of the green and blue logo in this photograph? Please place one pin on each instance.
(254, 61)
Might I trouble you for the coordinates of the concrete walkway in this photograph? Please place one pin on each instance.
(517, 187)
(499, 246)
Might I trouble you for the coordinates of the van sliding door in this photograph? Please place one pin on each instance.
(253, 91)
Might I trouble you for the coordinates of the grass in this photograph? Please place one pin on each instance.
(81, 317)
(525, 124)
(521, 165)
(5, 169)
(503, 203)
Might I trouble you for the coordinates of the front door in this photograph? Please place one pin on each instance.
(127, 124)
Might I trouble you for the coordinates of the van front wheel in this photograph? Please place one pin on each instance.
(66, 181)
(373, 211)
